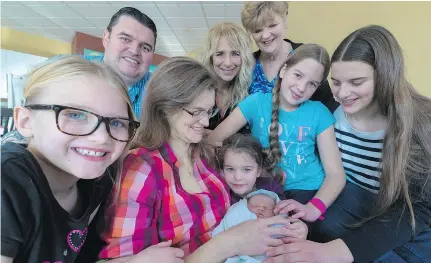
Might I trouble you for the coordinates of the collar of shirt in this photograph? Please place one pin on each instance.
(168, 154)
(136, 91)
(133, 90)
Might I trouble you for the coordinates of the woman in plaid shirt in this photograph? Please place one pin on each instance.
(170, 192)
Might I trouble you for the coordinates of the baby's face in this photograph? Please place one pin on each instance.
(261, 205)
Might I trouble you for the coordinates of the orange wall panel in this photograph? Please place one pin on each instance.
(82, 40)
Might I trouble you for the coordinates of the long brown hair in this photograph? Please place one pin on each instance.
(176, 83)
(313, 51)
(406, 153)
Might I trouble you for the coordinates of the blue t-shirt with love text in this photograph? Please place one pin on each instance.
(298, 131)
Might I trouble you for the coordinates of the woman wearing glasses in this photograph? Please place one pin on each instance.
(170, 192)
(52, 188)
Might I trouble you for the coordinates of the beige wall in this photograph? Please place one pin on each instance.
(12, 39)
(327, 23)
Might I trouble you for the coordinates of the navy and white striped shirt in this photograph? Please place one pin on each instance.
(361, 153)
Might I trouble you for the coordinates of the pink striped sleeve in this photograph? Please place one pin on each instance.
(133, 226)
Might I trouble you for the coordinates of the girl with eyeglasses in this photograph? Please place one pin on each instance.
(78, 120)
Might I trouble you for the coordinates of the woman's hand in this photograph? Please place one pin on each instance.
(296, 250)
(161, 252)
(300, 229)
(306, 212)
(256, 236)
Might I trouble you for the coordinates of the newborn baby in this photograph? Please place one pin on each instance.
(258, 204)
(261, 205)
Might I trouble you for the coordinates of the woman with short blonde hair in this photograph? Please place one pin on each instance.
(256, 13)
(266, 22)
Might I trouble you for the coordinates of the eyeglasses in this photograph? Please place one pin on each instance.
(78, 122)
(200, 114)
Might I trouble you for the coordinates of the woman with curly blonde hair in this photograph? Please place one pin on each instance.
(227, 52)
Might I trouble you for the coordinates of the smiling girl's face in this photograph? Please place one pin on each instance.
(353, 85)
(299, 82)
(241, 171)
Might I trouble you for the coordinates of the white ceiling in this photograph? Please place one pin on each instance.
(181, 26)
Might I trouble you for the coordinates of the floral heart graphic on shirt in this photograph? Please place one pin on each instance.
(76, 239)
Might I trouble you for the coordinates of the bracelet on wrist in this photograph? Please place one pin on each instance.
(316, 202)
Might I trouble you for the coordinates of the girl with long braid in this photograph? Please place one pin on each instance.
(291, 126)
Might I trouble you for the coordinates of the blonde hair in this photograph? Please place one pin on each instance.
(255, 14)
(406, 153)
(238, 39)
(306, 51)
(176, 83)
(66, 67)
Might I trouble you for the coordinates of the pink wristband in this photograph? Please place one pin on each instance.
(319, 205)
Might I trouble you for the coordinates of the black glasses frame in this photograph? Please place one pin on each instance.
(58, 108)
(210, 113)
